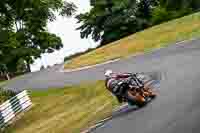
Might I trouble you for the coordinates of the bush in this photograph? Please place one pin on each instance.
(5, 95)
(160, 15)
(183, 12)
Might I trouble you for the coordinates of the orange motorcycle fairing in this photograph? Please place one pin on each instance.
(148, 92)
(136, 96)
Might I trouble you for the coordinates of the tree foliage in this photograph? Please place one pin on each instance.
(23, 30)
(170, 9)
(110, 20)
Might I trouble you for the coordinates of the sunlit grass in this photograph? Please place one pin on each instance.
(66, 110)
(155, 37)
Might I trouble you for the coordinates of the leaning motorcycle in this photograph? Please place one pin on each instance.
(137, 93)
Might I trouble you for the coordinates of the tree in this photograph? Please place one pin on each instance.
(170, 9)
(110, 20)
(21, 66)
(195, 5)
(24, 26)
(180, 5)
(144, 12)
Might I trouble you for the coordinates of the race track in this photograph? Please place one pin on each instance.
(175, 110)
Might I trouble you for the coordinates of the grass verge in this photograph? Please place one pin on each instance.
(66, 110)
(155, 37)
(3, 82)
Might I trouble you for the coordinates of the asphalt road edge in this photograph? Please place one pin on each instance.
(118, 59)
(102, 122)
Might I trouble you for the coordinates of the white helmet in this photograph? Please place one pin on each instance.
(108, 73)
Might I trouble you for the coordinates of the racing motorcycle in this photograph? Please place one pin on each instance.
(138, 93)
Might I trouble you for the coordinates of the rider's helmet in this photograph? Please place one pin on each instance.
(108, 73)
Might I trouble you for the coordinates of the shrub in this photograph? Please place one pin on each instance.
(5, 95)
(160, 15)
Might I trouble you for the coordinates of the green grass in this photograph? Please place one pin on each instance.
(156, 37)
(66, 110)
(3, 82)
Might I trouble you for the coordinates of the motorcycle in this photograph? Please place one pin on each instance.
(138, 93)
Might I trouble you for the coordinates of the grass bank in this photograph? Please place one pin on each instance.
(66, 110)
(155, 37)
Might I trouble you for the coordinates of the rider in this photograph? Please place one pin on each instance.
(115, 83)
